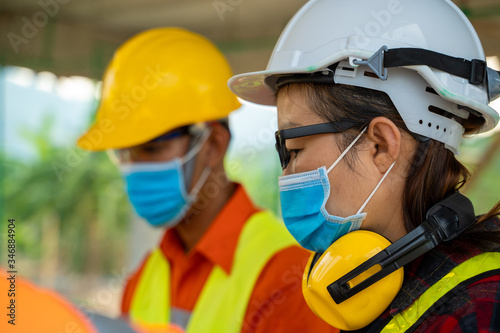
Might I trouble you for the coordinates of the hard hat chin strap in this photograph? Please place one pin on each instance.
(475, 70)
(445, 221)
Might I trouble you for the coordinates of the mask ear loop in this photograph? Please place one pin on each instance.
(197, 147)
(199, 184)
(188, 158)
(379, 183)
(346, 151)
(375, 189)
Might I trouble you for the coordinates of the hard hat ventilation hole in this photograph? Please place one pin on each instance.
(441, 112)
(420, 121)
(429, 124)
(430, 90)
(373, 75)
(471, 111)
(437, 127)
(445, 130)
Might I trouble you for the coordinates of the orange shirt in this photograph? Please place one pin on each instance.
(276, 303)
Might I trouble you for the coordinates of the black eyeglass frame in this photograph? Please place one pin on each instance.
(298, 132)
(172, 134)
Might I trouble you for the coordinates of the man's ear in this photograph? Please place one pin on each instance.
(218, 143)
(385, 142)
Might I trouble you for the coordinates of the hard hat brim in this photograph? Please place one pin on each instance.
(104, 134)
(253, 87)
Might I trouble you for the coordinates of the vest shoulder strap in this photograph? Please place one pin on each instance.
(150, 302)
(466, 273)
(223, 302)
(222, 296)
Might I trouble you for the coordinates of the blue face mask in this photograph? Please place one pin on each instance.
(157, 190)
(303, 199)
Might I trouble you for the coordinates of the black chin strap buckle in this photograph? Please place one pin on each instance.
(478, 72)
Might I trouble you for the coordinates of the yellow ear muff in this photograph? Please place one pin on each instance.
(341, 257)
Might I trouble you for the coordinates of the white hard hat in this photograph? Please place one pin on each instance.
(424, 54)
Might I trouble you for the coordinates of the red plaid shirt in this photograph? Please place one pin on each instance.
(474, 308)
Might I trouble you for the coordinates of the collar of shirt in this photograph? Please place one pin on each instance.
(218, 244)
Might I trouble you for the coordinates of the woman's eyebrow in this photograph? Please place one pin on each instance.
(289, 124)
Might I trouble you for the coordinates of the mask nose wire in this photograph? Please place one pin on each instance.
(346, 151)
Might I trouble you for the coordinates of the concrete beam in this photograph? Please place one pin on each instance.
(33, 38)
(52, 46)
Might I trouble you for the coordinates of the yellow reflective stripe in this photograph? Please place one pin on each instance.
(222, 304)
(150, 302)
(475, 266)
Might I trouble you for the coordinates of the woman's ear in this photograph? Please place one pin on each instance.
(385, 139)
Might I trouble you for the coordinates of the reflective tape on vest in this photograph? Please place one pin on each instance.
(223, 301)
(478, 265)
(145, 309)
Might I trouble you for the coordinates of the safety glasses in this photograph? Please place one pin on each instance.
(149, 150)
(298, 132)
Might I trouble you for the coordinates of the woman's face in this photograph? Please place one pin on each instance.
(350, 186)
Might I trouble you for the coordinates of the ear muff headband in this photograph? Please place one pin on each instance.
(359, 273)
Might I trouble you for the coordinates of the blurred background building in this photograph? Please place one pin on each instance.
(75, 229)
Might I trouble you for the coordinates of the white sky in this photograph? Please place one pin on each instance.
(31, 96)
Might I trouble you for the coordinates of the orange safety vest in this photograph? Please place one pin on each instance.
(222, 304)
(476, 266)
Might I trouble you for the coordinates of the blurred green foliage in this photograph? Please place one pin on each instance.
(258, 171)
(484, 186)
(78, 195)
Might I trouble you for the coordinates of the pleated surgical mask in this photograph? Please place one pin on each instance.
(303, 199)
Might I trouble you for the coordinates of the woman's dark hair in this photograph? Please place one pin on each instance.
(433, 174)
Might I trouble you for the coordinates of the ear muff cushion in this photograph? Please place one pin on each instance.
(341, 257)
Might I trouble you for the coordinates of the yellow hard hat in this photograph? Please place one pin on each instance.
(159, 80)
(347, 253)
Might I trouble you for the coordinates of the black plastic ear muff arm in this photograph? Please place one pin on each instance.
(406, 249)
(450, 226)
(445, 221)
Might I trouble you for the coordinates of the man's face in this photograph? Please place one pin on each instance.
(173, 144)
